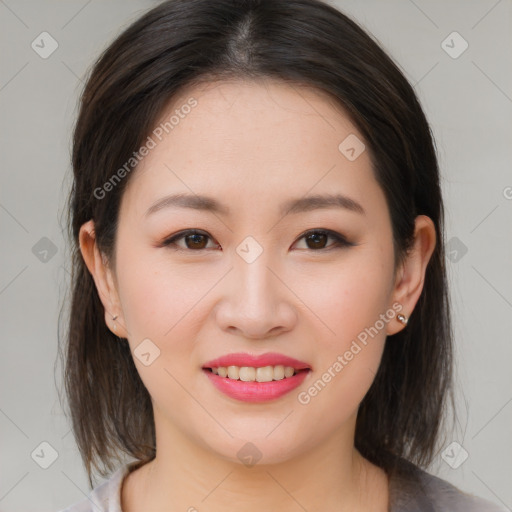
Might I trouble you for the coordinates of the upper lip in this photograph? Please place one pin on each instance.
(267, 359)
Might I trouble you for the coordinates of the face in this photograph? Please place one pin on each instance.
(315, 284)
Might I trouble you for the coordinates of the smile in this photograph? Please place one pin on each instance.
(252, 390)
(256, 378)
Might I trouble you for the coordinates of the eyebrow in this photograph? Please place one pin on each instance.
(292, 206)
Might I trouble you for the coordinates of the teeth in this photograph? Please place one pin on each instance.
(246, 373)
(251, 374)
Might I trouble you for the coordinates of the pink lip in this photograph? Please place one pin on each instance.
(255, 391)
(268, 359)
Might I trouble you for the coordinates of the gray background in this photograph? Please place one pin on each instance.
(468, 101)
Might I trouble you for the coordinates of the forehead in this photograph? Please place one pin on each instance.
(249, 140)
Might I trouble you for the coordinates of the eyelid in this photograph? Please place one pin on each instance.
(340, 240)
(170, 242)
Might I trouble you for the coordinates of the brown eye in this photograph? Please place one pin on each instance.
(317, 240)
(194, 241)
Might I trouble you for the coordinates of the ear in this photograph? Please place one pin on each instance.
(103, 278)
(411, 275)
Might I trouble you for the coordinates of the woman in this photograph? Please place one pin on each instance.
(260, 312)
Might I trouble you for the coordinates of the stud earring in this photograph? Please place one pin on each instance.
(114, 319)
(402, 318)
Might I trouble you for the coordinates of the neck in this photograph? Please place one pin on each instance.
(187, 476)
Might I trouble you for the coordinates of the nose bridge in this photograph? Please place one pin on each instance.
(256, 283)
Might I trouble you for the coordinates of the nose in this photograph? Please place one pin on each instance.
(256, 302)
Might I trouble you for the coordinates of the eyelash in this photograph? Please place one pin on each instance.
(340, 241)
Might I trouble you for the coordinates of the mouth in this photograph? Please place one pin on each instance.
(256, 378)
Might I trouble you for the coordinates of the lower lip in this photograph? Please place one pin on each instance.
(256, 391)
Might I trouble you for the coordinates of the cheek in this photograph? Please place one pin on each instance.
(157, 295)
(352, 303)
(351, 339)
(163, 306)
(351, 336)
(351, 296)
(167, 303)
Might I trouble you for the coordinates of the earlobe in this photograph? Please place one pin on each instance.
(400, 322)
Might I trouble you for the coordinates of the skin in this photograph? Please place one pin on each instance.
(252, 145)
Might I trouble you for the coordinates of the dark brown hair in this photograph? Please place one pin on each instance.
(306, 42)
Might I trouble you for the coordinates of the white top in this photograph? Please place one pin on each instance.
(431, 494)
